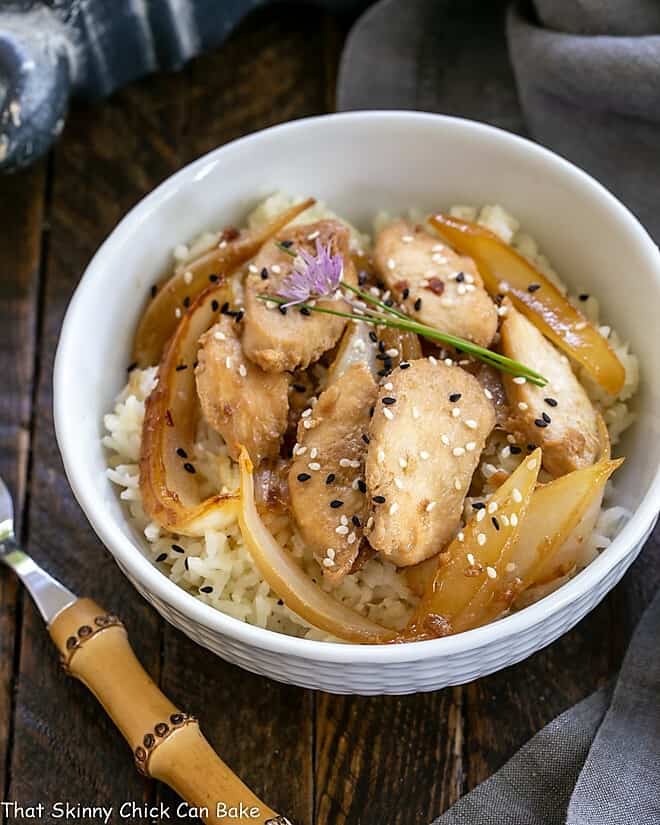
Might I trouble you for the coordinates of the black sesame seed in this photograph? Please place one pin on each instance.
(540, 423)
(280, 602)
(299, 387)
(371, 412)
(213, 279)
(460, 277)
(224, 308)
(373, 336)
(362, 278)
(478, 505)
(188, 467)
(181, 452)
(531, 447)
(533, 287)
(362, 486)
(186, 301)
(305, 311)
(382, 357)
(131, 367)
(514, 449)
(496, 523)
(381, 346)
(154, 290)
(336, 503)
(303, 476)
(282, 309)
(286, 244)
(264, 274)
(455, 396)
(551, 402)
(584, 296)
(546, 418)
(239, 316)
(405, 293)
(385, 372)
(388, 400)
(389, 302)
(177, 548)
(214, 305)
(365, 438)
(418, 304)
(378, 499)
(404, 365)
(206, 589)
(330, 478)
(161, 557)
(181, 367)
(185, 563)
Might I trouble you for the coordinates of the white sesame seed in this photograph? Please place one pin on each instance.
(581, 325)
(492, 572)
(445, 440)
(271, 304)
(219, 336)
(392, 353)
(488, 470)
(299, 449)
(342, 530)
(516, 495)
(354, 464)
(313, 452)
(242, 370)
(403, 463)
(415, 412)
(308, 423)
(458, 484)
(488, 394)
(457, 451)
(510, 567)
(343, 519)
(470, 558)
(398, 483)
(505, 452)
(393, 508)
(314, 465)
(276, 268)
(187, 277)
(523, 406)
(448, 362)
(328, 562)
(481, 539)
(433, 361)
(330, 553)
(531, 464)
(502, 311)
(407, 238)
(424, 282)
(381, 456)
(253, 269)
(471, 446)
(313, 235)
(351, 538)
(513, 518)
(504, 519)
(391, 263)
(370, 522)
(356, 483)
(492, 507)
(456, 412)
(228, 362)
(461, 289)
(177, 312)
(388, 414)
(460, 536)
(503, 287)
(470, 423)
(306, 413)
(430, 506)
(388, 386)
(344, 462)
(520, 379)
(481, 514)
(424, 455)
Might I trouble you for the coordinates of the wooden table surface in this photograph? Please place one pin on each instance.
(318, 758)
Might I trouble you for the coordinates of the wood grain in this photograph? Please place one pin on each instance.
(21, 218)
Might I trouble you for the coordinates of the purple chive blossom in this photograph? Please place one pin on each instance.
(319, 275)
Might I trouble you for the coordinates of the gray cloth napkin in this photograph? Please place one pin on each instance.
(583, 78)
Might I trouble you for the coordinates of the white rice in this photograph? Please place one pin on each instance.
(217, 568)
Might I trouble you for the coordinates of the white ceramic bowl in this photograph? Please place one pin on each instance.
(359, 163)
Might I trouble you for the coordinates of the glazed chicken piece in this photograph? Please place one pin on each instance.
(238, 399)
(434, 284)
(427, 433)
(293, 340)
(326, 479)
(558, 417)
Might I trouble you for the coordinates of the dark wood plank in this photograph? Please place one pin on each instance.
(107, 159)
(264, 730)
(21, 215)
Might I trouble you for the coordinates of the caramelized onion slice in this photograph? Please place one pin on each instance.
(536, 297)
(160, 320)
(168, 482)
(291, 583)
(468, 564)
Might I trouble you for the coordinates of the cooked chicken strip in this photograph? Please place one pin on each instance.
(293, 340)
(326, 479)
(558, 417)
(427, 433)
(238, 399)
(435, 285)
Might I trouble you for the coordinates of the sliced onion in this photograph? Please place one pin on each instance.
(160, 317)
(168, 483)
(464, 569)
(291, 583)
(536, 297)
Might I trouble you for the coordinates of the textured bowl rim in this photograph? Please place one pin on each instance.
(153, 581)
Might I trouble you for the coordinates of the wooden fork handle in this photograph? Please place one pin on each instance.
(167, 743)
